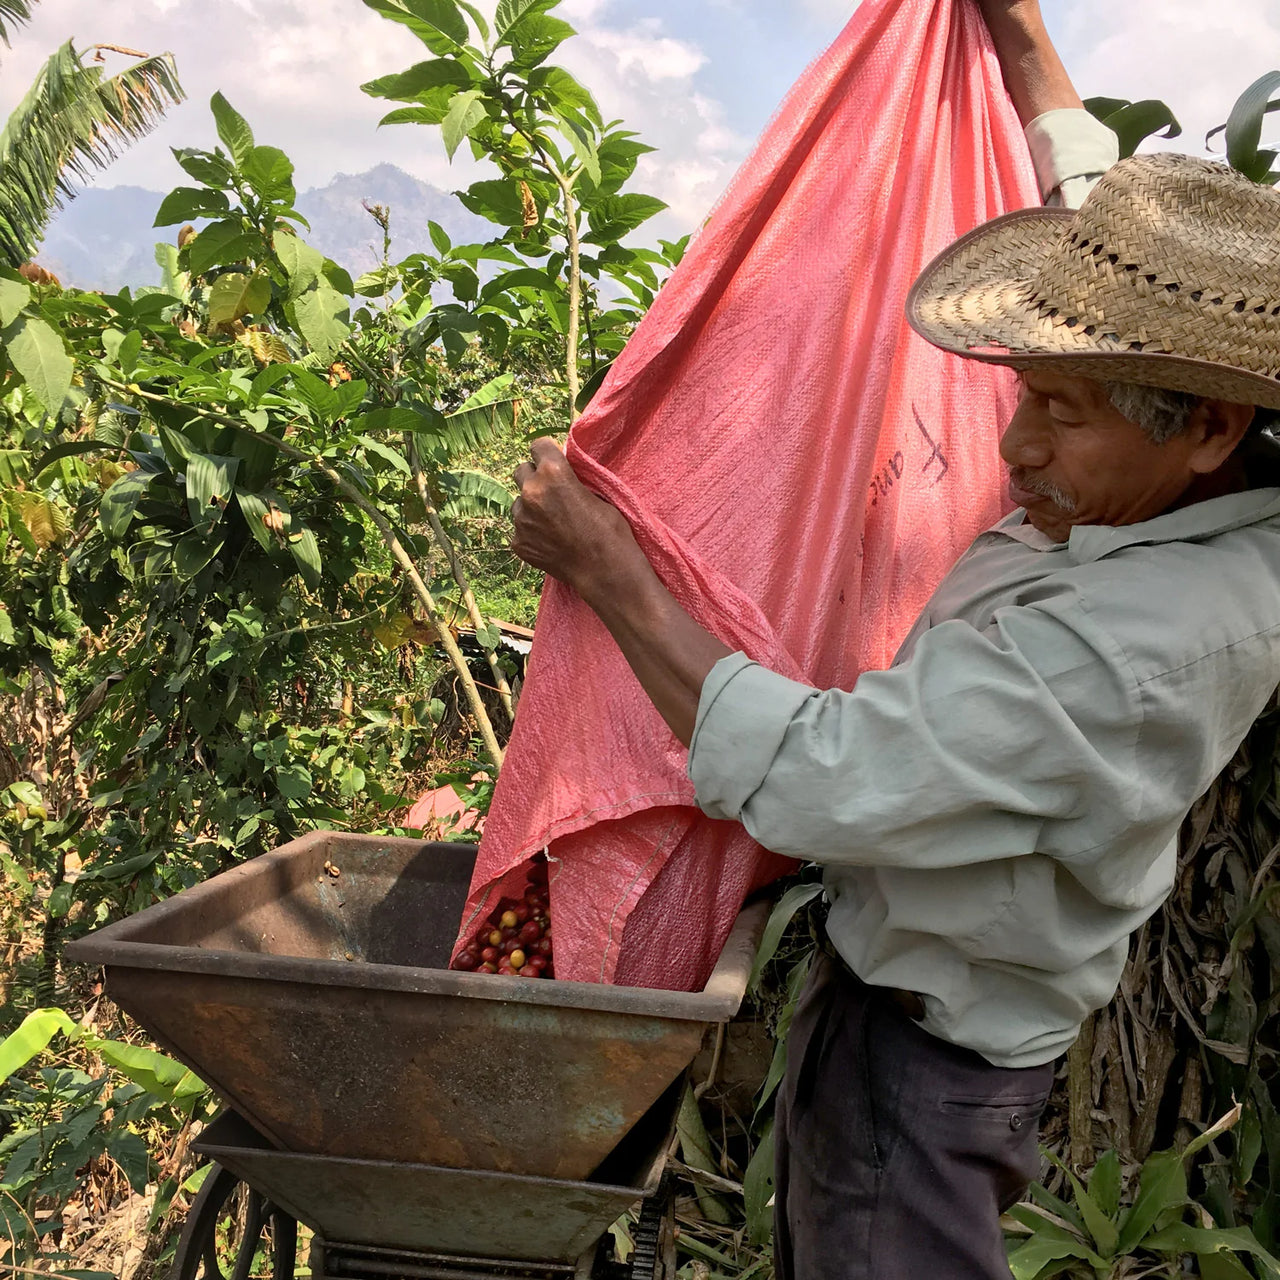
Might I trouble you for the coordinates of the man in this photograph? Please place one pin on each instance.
(999, 810)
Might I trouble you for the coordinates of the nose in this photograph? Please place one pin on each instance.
(1025, 443)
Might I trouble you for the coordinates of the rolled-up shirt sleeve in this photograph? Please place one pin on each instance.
(1070, 150)
(962, 754)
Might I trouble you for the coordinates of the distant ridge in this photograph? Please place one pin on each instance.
(104, 239)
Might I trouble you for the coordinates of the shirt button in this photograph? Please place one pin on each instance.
(1015, 1122)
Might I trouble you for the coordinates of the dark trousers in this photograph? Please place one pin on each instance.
(896, 1152)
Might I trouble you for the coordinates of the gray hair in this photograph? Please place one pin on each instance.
(1163, 414)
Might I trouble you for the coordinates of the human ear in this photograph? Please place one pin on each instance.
(1217, 427)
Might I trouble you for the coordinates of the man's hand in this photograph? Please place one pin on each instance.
(562, 528)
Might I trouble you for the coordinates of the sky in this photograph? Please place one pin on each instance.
(698, 79)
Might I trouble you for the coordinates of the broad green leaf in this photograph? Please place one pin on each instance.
(1244, 127)
(795, 899)
(1161, 1186)
(306, 554)
(439, 237)
(68, 449)
(695, 1147)
(1105, 1182)
(521, 277)
(1206, 1241)
(387, 454)
(129, 1152)
(1030, 1258)
(31, 1038)
(210, 481)
(584, 147)
(316, 394)
(156, 1073)
(398, 418)
(534, 39)
(320, 316)
(617, 216)
(38, 354)
(497, 199)
(235, 296)
(193, 552)
(203, 166)
(443, 15)
(15, 293)
(352, 781)
(466, 111)
(186, 204)
(1101, 1228)
(302, 264)
(473, 493)
(257, 512)
(437, 23)
(222, 244)
(509, 12)
(757, 1190)
(561, 88)
(493, 392)
(477, 17)
(128, 351)
(120, 501)
(233, 129)
(270, 172)
(431, 84)
(294, 782)
(777, 1068)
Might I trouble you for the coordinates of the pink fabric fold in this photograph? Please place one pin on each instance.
(799, 467)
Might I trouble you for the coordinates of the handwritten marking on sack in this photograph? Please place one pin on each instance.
(935, 454)
(887, 477)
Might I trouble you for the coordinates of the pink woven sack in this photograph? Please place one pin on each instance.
(799, 467)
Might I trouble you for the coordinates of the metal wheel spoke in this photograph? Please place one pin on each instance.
(284, 1242)
(252, 1221)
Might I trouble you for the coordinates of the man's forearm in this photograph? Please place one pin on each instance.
(1033, 72)
(670, 654)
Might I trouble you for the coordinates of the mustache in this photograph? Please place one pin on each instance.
(1024, 479)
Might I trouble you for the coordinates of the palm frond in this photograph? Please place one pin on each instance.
(12, 13)
(74, 119)
(472, 493)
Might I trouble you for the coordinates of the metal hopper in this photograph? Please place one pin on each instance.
(320, 1007)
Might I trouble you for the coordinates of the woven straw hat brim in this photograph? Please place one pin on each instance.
(977, 299)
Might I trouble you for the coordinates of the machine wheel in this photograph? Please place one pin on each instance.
(229, 1223)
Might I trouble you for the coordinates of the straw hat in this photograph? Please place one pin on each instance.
(1168, 275)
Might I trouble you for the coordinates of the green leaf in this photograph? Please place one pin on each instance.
(584, 146)
(430, 84)
(128, 351)
(1031, 1257)
(157, 1074)
(1206, 1241)
(1162, 1186)
(31, 1038)
(536, 38)
(306, 554)
(795, 898)
(235, 296)
(1105, 1182)
(302, 264)
(466, 111)
(316, 394)
(320, 317)
(221, 244)
(210, 482)
(68, 449)
(233, 128)
(439, 237)
(204, 167)
(38, 354)
(382, 451)
(509, 12)
(757, 1190)
(497, 199)
(351, 782)
(1135, 122)
(270, 172)
(443, 15)
(399, 419)
(121, 500)
(1244, 127)
(15, 293)
(617, 216)
(130, 1152)
(193, 552)
(294, 782)
(186, 204)
(695, 1147)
